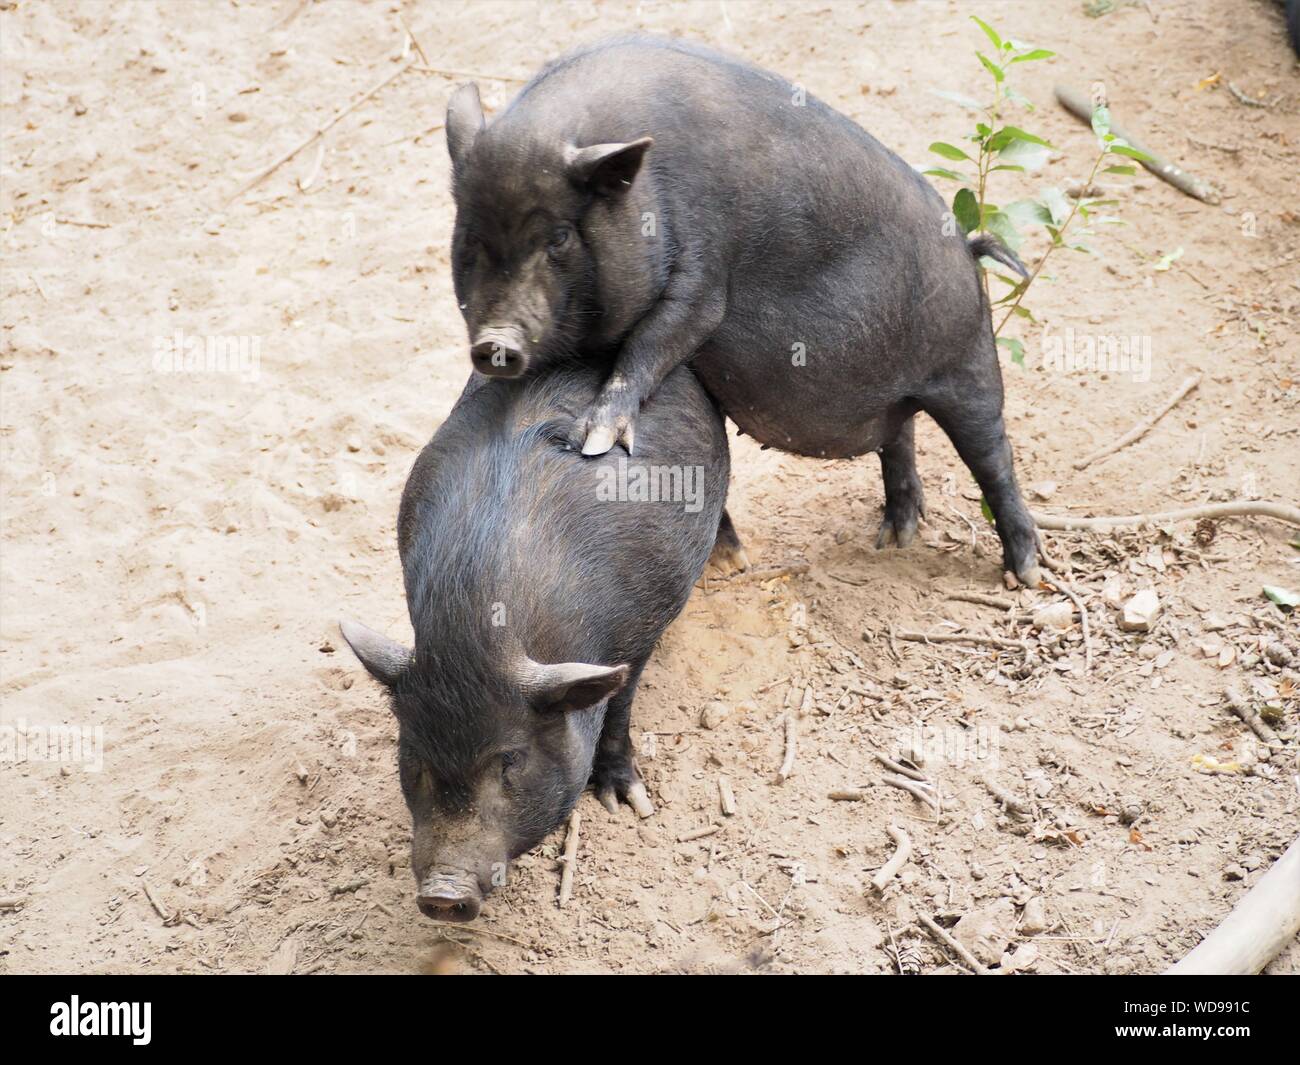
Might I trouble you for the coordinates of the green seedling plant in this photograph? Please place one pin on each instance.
(997, 146)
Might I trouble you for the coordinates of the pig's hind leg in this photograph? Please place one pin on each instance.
(904, 498)
(614, 775)
(967, 404)
(728, 555)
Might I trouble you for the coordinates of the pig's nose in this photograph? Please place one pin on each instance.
(498, 353)
(449, 907)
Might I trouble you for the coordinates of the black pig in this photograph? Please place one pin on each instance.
(654, 202)
(538, 582)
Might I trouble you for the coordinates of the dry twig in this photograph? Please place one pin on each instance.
(1142, 428)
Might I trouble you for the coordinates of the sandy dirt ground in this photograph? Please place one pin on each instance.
(178, 545)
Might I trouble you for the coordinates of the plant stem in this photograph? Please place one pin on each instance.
(1060, 239)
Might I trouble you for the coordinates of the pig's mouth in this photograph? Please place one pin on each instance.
(450, 895)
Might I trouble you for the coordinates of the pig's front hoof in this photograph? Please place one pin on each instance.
(728, 559)
(633, 792)
(900, 532)
(1027, 576)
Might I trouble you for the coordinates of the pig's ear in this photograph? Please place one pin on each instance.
(570, 685)
(464, 121)
(607, 169)
(385, 659)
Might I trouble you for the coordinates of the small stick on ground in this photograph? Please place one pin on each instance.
(760, 576)
(911, 787)
(791, 743)
(1012, 804)
(158, 907)
(968, 959)
(726, 797)
(1142, 428)
(890, 869)
(697, 833)
(962, 637)
(1067, 589)
(847, 795)
(569, 859)
(1238, 705)
(320, 131)
(478, 75)
(982, 600)
(1081, 108)
(12, 902)
(1237, 508)
(902, 770)
(415, 41)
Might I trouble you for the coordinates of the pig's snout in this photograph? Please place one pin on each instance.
(499, 352)
(450, 895)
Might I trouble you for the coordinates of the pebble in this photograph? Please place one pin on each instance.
(1034, 919)
(714, 714)
(1054, 616)
(1140, 612)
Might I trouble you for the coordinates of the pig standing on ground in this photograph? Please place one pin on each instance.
(813, 277)
(538, 583)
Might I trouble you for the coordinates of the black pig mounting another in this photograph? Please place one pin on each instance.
(538, 583)
(651, 202)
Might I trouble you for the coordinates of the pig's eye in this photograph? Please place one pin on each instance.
(510, 761)
(560, 237)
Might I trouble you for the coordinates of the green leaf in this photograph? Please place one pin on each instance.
(1030, 155)
(949, 152)
(999, 75)
(959, 99)
(1129, 170)
(1166, 261)
(1017, 350)
(1000, 224)
(1101, 121)
(938, 171)
(1008, 166)
(989, 31)
(1021, 135)
(1057, 205)
(1029, 213)
(1016, 97)
(966, 210)
(1283, 597)
(1120, 148)
(1029, 57)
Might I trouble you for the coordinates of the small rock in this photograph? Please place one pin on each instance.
(1043, 490)
(1140, 612)
(1112, 592)
(1024, 959)
(354, 442)
(1213, 622)
(1035, 917)
(713, 714)
(1054, 616)
(1234, 872)
(986, 932)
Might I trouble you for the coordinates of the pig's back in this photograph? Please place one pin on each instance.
(502, 520)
